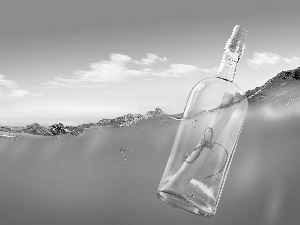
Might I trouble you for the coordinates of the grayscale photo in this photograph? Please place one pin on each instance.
(149, 112)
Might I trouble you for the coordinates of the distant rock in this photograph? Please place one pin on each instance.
(58, 129)
(156, 112)
(6, 129)
(105, 122)
(36, 129)
(130, 119)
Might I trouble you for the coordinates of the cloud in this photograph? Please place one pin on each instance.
(13, 90)
(267, 59)
(294, 60)
(18, 93)
(179, 70)
(151, 59)
(7, 83)
(120, 68)
(22, 93)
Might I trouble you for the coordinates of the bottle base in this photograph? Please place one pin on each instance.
(183, 203)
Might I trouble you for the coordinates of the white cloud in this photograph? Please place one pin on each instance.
(294, 60)
(120, 68)
(7, 83)
(151, 59)
(120, 59)
(267, 59)
(18, 93)
(12, 89)
(22, 93)
(179, 70)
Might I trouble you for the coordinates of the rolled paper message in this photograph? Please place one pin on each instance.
(205, 142)
(189, 168)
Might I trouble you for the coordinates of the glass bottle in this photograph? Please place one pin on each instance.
(207, 136)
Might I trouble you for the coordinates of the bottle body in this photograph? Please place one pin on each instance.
(203, 147)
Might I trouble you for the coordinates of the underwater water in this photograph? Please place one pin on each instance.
(110, 175)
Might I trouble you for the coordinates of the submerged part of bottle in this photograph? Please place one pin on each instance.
(206, 139)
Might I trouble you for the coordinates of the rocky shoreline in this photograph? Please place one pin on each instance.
(60, 129)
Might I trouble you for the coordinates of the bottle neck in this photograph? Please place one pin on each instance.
(233, 51)
(228, 65)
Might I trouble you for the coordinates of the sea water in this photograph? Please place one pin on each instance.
(109, 175)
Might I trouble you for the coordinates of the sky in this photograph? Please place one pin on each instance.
(75, 61)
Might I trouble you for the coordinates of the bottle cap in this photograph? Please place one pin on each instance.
(239, 33)
(236, 43)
